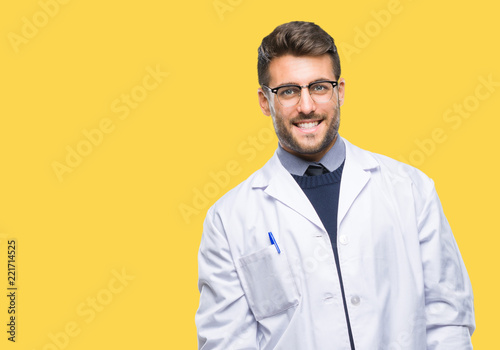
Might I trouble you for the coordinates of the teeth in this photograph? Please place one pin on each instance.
(307, 125)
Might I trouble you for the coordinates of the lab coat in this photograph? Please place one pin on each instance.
(405, 283)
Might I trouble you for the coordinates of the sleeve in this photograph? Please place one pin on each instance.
(223, 320)
(449, 306)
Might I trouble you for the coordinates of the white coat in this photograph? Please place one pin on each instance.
(405, 282)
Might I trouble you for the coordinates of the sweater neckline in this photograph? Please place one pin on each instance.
(320, 180)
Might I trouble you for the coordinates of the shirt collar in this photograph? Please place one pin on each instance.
(298, 166)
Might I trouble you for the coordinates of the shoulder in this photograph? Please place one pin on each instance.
(391, 169)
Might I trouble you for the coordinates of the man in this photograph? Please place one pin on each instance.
(327, 246)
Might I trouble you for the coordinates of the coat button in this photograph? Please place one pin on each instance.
(355, 300)
(343, 239)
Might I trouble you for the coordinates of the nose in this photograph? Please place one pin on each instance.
(306, 104)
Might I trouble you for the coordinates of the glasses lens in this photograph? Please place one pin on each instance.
(321, 92)
(288, 95)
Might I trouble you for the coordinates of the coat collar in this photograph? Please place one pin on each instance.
(277, 182)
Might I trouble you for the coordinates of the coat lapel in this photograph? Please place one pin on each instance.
(355, 176)
(277, 182)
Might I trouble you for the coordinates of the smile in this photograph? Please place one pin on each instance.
(308, 126)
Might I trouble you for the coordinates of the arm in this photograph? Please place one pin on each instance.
(448, 293)
(224, 320)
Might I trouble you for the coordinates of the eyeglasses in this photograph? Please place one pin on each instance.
(289, 95)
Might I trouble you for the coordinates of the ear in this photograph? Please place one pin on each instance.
(341, 88)
(264, 102)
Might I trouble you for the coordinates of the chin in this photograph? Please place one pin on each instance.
(314, 149)
(308, 149)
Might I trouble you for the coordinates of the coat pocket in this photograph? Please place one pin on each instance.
(268, 282)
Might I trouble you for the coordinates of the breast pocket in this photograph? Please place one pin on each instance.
(268, 282)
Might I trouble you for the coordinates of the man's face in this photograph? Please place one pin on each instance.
(308, 129)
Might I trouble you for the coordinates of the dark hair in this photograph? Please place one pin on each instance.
(298, 39)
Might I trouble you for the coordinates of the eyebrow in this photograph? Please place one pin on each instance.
(294, 83)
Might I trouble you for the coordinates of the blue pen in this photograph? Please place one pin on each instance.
(273, 242)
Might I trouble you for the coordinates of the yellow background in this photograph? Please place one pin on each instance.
(119, 210)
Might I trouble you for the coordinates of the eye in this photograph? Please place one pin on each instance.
(320, 88)
(288, 92)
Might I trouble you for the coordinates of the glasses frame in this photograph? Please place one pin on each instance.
(275, 90)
